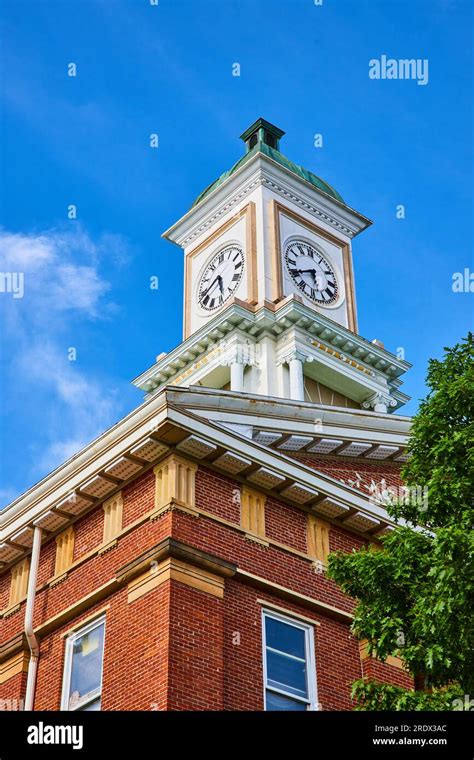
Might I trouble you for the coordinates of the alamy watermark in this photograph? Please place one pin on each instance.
(399, 68)
(12, 282)
(386, 495)
(466, 704)
(463, 282)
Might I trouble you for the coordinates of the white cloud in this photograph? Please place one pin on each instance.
(60, 270)
(63, 405)
(80, 408)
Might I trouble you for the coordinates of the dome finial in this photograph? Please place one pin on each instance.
(262, 131)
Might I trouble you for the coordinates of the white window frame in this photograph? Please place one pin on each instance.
(312, 700)
(77, 634)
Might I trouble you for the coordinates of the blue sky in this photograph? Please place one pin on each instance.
(167, 69)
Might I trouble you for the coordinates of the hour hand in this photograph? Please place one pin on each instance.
(311, 271)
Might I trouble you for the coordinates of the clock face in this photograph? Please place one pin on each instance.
(311, 272)
(221, 278)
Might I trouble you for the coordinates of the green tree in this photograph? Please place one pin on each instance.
(414, 598)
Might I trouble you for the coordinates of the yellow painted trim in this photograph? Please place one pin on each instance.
(16, 664)
(11, 610)
(248, 211)
(293, 595)
(175, 480)
(113, 511)
(395, 662)
(256, 539)
(104, 548)
(174, 569)
(19, 575)
(56, 579)
(75, 609)
(252, 511)
(278, 209)
(318, 539)
(275, 237)
(251, 241)
(64, 551)
(172, 506)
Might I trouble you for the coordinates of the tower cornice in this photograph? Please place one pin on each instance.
(263, 170)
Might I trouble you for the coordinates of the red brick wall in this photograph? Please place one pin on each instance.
(173, 648)
(13, 692)
(286, 524)
(347, 469)
(337, 652)
(218, 494)
(382, 671)
(196, 659)
(138, 498)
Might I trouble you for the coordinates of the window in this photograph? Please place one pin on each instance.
(288, 664)
(82, 683)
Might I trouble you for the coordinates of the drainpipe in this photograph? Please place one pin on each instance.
(29, 632)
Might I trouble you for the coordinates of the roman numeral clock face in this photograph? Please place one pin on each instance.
(311, 273)
(221, 278)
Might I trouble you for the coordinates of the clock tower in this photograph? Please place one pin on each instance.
(269, 296)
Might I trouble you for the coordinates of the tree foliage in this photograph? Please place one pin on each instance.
(415, 596)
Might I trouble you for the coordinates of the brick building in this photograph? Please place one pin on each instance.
(178, 561)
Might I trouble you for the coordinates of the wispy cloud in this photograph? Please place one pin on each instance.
(60, 270)
(64, 289)
(80, 406)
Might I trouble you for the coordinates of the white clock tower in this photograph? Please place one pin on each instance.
(269, 297)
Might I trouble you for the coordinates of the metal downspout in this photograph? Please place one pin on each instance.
(29, 632)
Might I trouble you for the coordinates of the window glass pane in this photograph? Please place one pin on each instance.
(286, 673)
(86, 670)
(280, 702)
(285, 638)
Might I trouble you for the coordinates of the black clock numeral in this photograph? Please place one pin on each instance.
(221, 277)
(314, 278)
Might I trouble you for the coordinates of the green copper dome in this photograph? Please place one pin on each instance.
(263, 137)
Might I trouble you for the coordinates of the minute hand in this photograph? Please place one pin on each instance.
(218, 279)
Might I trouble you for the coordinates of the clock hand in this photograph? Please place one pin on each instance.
(317, 279)
(312, 271)
(217, 279)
